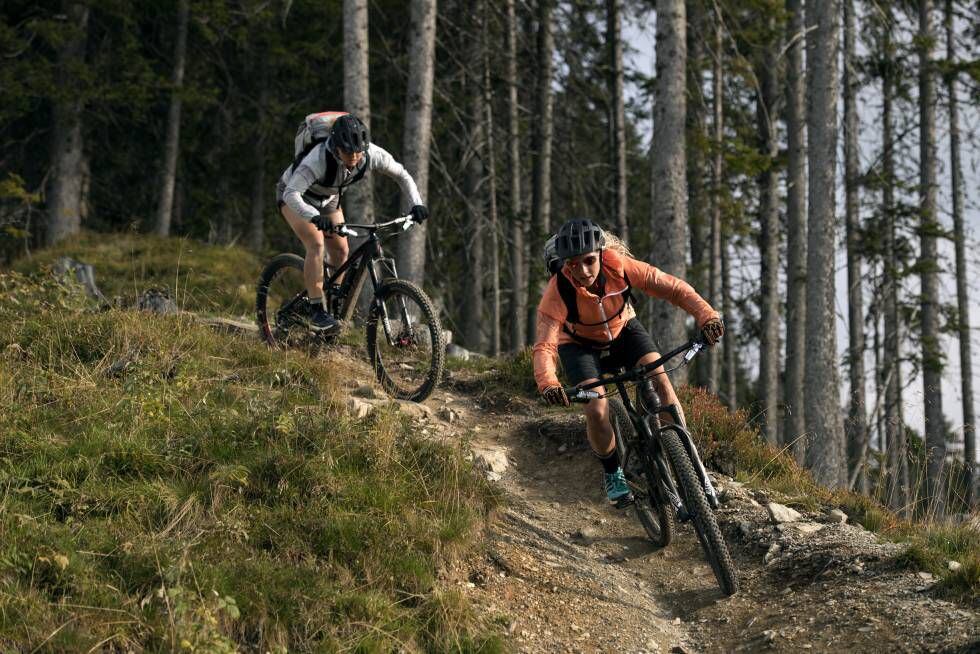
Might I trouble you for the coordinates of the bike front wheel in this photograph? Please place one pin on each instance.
(709, 533)
(404, 341)
(653, 511)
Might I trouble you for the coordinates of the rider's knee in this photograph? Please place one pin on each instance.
(597, 409)
(315, 246)
(339, 245)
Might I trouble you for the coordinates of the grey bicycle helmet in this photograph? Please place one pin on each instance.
(350, 134)
(577, 237)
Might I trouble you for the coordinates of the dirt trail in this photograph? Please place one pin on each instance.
(564, 572)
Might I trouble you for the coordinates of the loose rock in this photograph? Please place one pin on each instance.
(779, 513)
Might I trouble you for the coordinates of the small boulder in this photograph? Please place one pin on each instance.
(780, 513)
(954, 566)
(491, 460)
(807, 527)
(836, 516)
(359, 408)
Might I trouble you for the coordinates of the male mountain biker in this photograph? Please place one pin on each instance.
(308, 195)
(585, 316)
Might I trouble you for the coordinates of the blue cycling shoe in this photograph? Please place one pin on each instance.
(617, 490)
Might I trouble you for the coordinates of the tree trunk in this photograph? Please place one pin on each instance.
(474, 177)
(796, 229)
(359, 202)
(494, 223)
(825, 452)
(768, 389)
(66, 194)
(260, 197)
(418, 130)
(962, 298)
(857, 427)
(696, 138)
(168, 177)
(729, 387)
(897, 461)
(260, 193)
(717, 170)
(669, 228)
(544, 112)
(613, 35)
(518, 230)
(932, 361)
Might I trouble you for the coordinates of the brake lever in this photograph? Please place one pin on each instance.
(696, 347)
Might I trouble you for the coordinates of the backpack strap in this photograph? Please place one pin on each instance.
(330, 168)
(568, 296)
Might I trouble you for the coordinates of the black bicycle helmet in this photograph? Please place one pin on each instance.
(577, 237)
(350, 134)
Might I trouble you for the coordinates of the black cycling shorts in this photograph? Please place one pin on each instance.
(581, 362)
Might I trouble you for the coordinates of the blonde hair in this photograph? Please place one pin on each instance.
(616, 244)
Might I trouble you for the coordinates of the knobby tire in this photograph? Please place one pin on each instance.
(705, 524)
(438, 346)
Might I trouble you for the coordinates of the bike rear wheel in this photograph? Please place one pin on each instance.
(705, 525)
(281, 304)
(405, 341)
(653, 511)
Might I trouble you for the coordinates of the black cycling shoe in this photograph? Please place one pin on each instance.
(322, 322)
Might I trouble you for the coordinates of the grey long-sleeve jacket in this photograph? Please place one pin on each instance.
(302, 184)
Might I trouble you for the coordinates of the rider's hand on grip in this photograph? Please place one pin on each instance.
(713, 330)
(555, 395)
(419, 213)
(323, 224)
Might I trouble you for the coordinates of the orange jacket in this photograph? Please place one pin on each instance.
(593, 309)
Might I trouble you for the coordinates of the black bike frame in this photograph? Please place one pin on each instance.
(641, 376)
(360, 264)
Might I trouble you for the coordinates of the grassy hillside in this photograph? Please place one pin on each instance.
(198, 276)
(168, 488)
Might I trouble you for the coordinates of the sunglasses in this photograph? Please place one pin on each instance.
(588, 260)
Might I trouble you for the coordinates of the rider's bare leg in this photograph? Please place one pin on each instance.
(337, 246)
(664, 388)
(313, 242)
(597, 425)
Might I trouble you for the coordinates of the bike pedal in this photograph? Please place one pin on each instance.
(624, 502)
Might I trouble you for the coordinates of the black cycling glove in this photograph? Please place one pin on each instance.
(419, 213)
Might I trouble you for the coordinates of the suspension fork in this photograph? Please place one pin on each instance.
(377, 280)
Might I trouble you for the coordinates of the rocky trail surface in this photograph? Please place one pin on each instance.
(561, 571)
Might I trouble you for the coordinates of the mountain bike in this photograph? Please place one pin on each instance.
(661, 462)
(405, 343)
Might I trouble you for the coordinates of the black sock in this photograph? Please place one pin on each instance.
(610, 462)
(316, 302)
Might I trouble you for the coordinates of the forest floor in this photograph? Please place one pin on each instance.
(561, 571)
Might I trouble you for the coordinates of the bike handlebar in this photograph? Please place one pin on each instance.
(584, 393)
(345, 229)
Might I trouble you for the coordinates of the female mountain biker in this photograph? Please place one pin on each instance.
(308, 195)
(585, 315)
